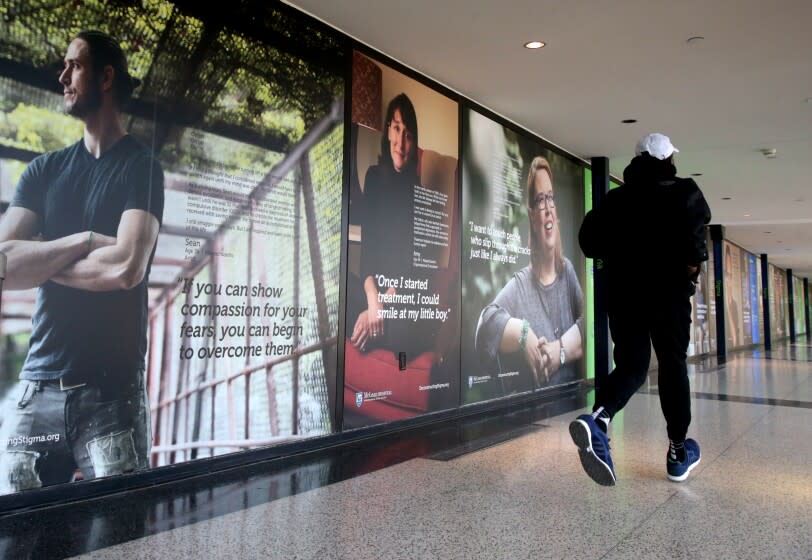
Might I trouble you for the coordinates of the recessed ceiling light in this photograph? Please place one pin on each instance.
(696, 39)
(727, 198)
(747, 215)
(767, 232)
(629, 121)
(534, 44)
(696, 174)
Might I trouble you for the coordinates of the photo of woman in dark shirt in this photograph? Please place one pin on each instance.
(388, 235)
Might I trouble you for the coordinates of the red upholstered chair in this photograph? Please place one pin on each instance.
(378, 370)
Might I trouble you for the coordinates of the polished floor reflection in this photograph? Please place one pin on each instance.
(496, 485)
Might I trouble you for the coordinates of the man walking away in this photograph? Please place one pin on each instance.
(650, 233)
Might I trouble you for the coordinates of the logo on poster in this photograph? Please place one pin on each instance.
(359, 399)
(477, 379)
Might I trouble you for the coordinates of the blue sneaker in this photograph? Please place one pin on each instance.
(679, 470)
(593, 449)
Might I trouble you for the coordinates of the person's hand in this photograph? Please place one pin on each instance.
(535, 358)
(693, 273)
(376, 323)
(360, 333)
(551, 351)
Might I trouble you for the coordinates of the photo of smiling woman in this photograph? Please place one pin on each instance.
(536, 322)
(402, 322)
(389, 184)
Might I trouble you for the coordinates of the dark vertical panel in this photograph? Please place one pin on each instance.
(717, 237)
(603, 364)
(791, 297)
(765, 300)
(806, 307)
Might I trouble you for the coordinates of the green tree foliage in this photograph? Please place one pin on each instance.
(259, 79)
(37, 129)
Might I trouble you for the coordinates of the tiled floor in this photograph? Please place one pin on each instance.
(527, 497)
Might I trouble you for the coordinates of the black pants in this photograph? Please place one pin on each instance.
(663, 320)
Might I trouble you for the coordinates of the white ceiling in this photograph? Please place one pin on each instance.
(721, 99)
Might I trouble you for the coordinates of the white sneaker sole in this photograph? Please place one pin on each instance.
(685, 475)
(597, 470)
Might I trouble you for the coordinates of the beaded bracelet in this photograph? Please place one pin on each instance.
(523, 337)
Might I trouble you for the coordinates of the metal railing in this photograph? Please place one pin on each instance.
(177, 412)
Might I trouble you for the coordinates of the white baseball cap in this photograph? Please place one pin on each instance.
(656, 144)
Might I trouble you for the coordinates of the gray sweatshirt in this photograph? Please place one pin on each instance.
(550, 310)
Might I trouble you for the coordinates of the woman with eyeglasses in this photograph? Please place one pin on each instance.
(536, 322)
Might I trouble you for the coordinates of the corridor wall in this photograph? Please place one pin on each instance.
(266, 137)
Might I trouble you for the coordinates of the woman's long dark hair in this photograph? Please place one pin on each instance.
(402, 103)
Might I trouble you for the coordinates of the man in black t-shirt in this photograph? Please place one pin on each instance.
(82, 227)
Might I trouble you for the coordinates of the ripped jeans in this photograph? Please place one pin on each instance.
(47, 432)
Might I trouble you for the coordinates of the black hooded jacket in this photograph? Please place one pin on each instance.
(650, 228)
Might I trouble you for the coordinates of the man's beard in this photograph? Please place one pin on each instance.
(85, 105)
